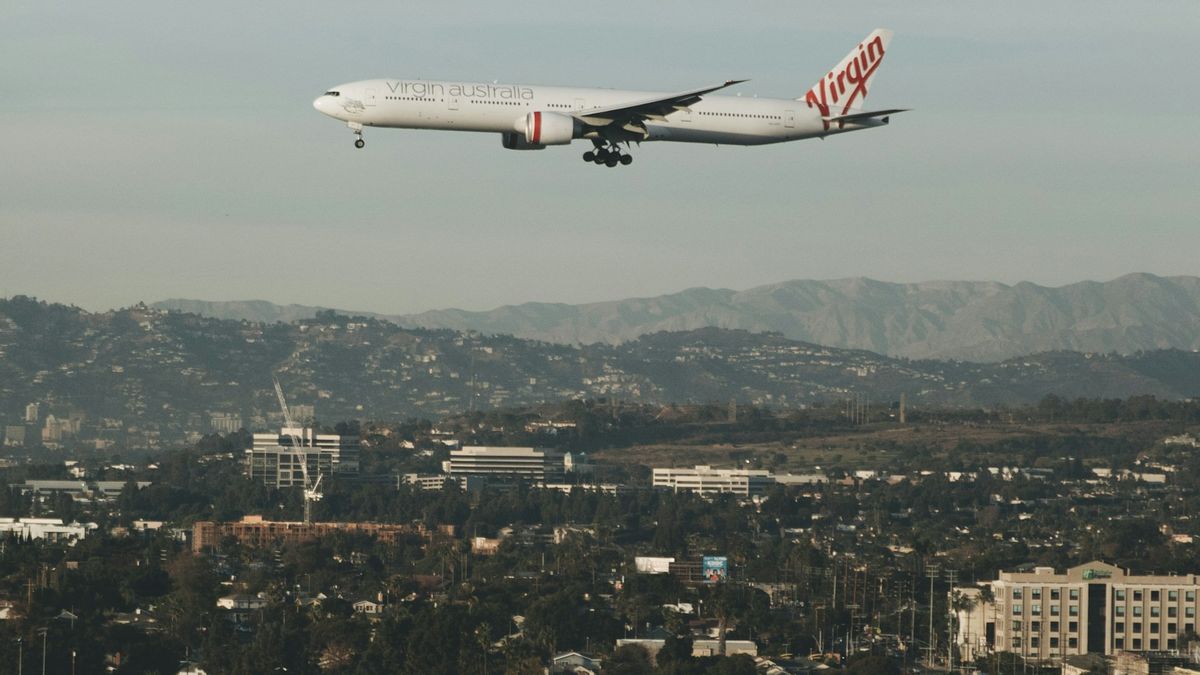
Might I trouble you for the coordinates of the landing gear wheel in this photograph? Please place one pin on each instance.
(626, 160)
(359, 143)
(589, 156)
(612, 160)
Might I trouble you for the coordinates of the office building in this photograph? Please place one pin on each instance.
(706, 480)
(224, 422)
(44, 529)
(79, 490)
(278, 460)
(538, 465)
(1095, 608)
(438, 481)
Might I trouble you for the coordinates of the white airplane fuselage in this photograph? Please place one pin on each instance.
(530, 117)
(497, 108)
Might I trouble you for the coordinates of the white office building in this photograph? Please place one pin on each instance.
(438, 481)
(538, 465)
(706, 480)
(44, 529)
(278, 460)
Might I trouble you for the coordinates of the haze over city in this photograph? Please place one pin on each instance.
(171, 151)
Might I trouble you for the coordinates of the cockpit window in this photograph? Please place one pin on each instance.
(332, 93)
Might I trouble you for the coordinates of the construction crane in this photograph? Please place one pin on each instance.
(311, 493)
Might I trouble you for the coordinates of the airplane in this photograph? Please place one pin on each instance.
(535, 117)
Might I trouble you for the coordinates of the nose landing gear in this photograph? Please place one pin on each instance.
(357, 128)
(609, 156)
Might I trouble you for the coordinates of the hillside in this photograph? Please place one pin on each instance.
(170, 371)
(977, 321)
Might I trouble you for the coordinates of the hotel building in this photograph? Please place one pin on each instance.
(1094, 608)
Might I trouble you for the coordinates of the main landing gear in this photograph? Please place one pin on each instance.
(610, 156)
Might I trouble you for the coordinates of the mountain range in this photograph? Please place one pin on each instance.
(168, 374)
(966, 320)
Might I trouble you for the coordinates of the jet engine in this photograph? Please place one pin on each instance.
(538, 129)
(515, 141)
(549, 128)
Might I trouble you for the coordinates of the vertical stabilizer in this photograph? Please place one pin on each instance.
(845, 86)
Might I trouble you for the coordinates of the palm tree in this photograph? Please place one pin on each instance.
(963, 603)
(988, 598)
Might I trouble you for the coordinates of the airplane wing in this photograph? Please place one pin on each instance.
(860, 116)
(649, 109)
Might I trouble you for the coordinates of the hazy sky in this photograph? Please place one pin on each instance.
(159, 149)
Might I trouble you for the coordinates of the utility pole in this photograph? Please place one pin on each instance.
(912, 608)
(951, 579)
(931, 571)
(850, 637)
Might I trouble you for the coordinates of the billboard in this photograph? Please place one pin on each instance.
(715, 568)
(648, 565)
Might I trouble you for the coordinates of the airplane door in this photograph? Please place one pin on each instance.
(579, 104)
(369, 97)
(452, 103)
(685, 115)
(789, 119)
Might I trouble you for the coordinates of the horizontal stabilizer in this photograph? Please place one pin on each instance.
(861, 116)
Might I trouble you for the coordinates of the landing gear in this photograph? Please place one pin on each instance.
(357, 128)
(609, 156)
(359, 143)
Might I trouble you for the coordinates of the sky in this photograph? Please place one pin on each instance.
(151, 150)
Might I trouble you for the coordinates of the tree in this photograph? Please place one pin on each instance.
(192, 598)
(872, 664)
(629, 660)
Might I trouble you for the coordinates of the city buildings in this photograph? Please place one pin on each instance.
(706, 480)
(538, 465)
(1095, 608)
(278, 460)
